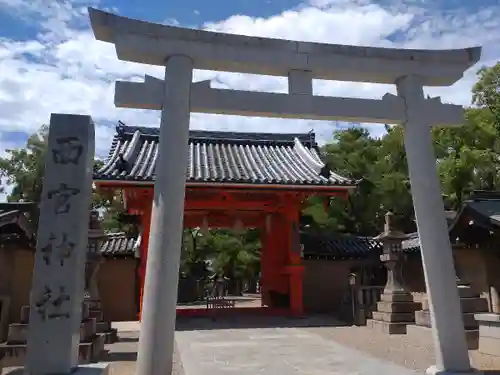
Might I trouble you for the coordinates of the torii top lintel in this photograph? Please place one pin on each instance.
(152, 43)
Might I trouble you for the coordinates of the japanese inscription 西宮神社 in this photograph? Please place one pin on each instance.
(50, 305)
(69, 152)
(62, 251)
(62, 196)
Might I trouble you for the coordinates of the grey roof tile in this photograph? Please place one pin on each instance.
(483, 208)
(412, 244)
(338, 246)
(14, 223)
(120, 245)
(224, 157)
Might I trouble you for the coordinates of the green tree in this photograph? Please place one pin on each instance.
(486, 91)
(467, 156)
(23, 168)
(236, 256)
(380, 165)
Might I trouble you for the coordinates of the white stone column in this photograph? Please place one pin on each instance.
(300, 82)
(156, 341)
(446, 317)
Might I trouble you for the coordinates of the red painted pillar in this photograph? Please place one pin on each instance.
(294, 267)
(264, 268)
(273, 258)
(146, 226)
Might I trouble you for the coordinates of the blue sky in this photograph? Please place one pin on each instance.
(50, 62)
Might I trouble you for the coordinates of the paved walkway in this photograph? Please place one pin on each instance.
(271, 351)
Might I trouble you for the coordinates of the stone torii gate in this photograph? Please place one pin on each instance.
(181, 50)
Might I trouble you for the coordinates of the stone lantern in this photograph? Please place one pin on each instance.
(393, 257)
(396, 307)
(96, 234)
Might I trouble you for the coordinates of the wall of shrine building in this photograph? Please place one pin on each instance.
(325, 282)
(117, 283)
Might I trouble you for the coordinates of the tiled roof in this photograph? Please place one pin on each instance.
(338, 246)
(120, 245)
(412, 244)
(482, 208)
(223, 157)
(8, 216)
(14, 224)
(315, 246)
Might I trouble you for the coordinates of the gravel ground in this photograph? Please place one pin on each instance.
(412, 352)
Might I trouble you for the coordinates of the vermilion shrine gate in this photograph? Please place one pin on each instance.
(234, 180)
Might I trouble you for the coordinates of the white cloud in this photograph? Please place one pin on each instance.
(65, 70)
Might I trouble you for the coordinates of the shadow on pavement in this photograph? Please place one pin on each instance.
(120, 357)
(128, 338)
(242, 322)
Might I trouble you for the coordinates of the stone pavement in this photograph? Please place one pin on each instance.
(274, 351)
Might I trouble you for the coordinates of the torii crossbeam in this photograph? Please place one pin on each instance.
(181, 50)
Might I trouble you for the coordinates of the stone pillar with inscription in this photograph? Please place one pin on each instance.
(58, 278)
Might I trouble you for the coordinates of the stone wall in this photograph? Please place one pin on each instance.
(16, 268)
(324, 286)
(118, 289)
(325, 283)
(477, 267)
(116, 280)
(491, 259)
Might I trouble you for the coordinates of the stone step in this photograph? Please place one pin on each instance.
(390, 328)
(469, 321)
(474, 305)
(17, 332)
(96, 314)
(423, 318)
(393, 317)
(489, 333)
(469, 304)
(103, 326)
(465, 291)
(397, 307)
(14, 354)
(92, 304)
(98, 345)
(111, 336)
(401, 297)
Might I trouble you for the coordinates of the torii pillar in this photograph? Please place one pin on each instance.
(158, 313)
(437, 259)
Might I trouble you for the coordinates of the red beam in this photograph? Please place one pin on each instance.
(214, 220)
(220, 205)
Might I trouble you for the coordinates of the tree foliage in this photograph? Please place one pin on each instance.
(23, 169)
(467, 159)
